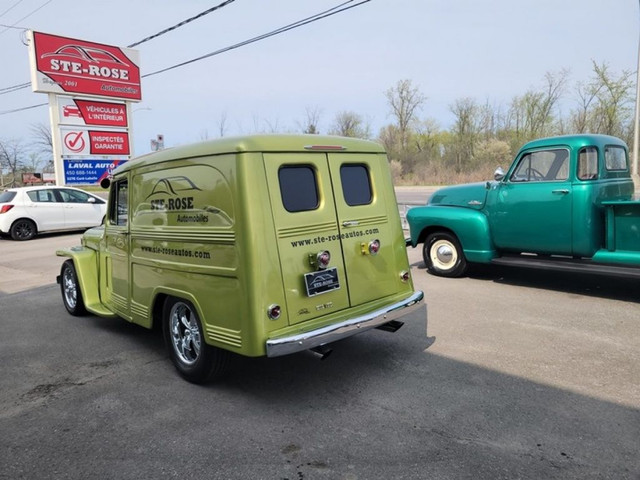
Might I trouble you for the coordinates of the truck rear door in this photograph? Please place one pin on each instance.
(330, 202)
(365, 233)
(304, 215)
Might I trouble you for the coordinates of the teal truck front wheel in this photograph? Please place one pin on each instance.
(443, 255)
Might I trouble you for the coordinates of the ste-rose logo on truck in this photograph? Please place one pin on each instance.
(175, 194)
(78, 66)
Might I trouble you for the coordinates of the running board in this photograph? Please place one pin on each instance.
(567, 265)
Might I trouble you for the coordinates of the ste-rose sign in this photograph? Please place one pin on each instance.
(70, 66)
(91, 87)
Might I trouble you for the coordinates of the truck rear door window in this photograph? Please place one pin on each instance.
(298, 188)
(615, 158)
(588, 163)
(356, 185)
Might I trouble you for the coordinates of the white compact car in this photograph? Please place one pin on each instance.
(28, 211)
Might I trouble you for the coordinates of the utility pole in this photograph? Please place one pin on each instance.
(636, 122)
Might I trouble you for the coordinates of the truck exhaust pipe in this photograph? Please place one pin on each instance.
(321, 351)
(392, 326)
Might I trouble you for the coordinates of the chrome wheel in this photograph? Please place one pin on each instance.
(194, 359)
(69, 288)
(185, 333)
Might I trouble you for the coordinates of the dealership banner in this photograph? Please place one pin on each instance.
(77, 111)
(88, 171)
(82, 142)
(67, 65)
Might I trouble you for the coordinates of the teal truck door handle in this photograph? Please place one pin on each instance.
(561, 191)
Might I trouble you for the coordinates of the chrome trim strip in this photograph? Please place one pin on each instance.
(331, 333)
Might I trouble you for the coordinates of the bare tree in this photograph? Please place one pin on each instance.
(11, 158)
(43, 143)
(614, 96)
(532, 114)
(222, 124)
(311, 121)
(42, 134)
(350, 124)
(405, 101)
(465, 131)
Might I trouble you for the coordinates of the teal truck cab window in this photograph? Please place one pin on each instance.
(615, 158)
(588, 163)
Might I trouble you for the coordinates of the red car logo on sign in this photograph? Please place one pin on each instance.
(72, 58)
(70, 111)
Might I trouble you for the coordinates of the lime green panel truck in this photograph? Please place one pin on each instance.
(566, 203)
(257, 245)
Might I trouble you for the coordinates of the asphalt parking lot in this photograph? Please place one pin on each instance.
(532, 375)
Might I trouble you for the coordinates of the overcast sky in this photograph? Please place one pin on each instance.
(489, 50)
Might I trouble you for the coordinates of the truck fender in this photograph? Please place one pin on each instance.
(86, 262)
(160, 294)
(471, 228)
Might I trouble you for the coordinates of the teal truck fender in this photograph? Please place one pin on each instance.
(470, 234)
(85, 262)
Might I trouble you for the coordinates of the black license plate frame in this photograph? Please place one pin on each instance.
(322, 281)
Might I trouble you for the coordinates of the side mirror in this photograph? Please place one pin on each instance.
(91, 200)
(105, 182)
(498, 174)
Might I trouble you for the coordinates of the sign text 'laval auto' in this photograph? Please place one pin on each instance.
(66, 65)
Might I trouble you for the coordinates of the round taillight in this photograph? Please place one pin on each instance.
(322, 259)
(274, 312)
(374, 247)
(405, 276)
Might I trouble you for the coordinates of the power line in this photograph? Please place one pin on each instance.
(5, 112)
(184, 22)
(11, 26)
(26, 16)
(314, 18)
(291, 26)
(11, 8)
(15, 88)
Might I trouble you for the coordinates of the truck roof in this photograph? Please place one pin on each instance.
(576, 141)
(256, 143)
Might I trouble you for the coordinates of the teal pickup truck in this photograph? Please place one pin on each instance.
(566, 203)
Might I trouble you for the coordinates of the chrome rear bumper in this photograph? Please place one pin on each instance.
(304, 341)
